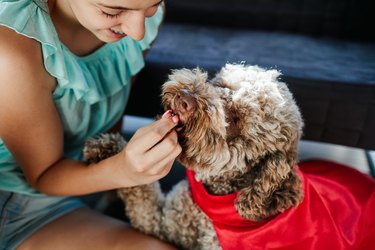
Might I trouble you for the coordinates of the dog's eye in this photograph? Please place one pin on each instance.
(236, 120)
(234, 125)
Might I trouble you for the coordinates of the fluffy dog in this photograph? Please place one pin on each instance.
(239, 134)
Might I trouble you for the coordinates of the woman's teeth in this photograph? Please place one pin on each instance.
(118, 32)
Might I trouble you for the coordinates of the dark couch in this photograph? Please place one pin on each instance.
(324, 49)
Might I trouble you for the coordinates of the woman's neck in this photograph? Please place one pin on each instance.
(72, 34)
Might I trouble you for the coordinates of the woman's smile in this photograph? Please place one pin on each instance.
(116, 33)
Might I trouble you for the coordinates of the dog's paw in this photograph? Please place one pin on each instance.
(103, 146)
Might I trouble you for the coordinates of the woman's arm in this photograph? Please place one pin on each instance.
(31, 129)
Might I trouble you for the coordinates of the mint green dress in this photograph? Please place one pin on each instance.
(91, 91)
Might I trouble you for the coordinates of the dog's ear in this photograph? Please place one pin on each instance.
(102, 147)
(275, 188)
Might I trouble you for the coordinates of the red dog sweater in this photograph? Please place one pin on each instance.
(337, 212)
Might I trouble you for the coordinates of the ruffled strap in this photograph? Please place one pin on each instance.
(32, 19)
(152, 28)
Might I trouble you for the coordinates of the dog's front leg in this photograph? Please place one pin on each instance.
(184, 224)
(143, 206)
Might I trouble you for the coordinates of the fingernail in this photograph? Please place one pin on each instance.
(167, 114)
(175, 118)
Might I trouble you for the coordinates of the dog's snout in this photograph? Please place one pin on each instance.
(185, 101)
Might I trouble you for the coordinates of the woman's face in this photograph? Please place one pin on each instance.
(111, 20)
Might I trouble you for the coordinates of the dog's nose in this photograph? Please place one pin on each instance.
(185, 102)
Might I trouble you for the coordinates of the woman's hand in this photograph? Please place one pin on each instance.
(150, 153)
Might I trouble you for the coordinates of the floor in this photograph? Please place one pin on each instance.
(349, 156)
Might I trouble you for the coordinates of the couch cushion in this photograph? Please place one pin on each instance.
(345, 19)
(295, 55)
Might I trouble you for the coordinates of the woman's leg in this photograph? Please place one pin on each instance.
(84, 229)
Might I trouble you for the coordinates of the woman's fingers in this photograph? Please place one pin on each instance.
(147, 137)
(153, 166)
(166, 152)
(150, 153)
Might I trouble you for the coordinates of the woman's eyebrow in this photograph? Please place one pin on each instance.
(124, 8)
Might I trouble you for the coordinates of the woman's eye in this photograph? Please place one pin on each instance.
(108, 15)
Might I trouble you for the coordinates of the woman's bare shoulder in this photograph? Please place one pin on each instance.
(25, 97)
(17, 46)
(21, 60)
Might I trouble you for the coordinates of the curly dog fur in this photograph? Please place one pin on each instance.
(239, 132)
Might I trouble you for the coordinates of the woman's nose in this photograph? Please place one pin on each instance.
(134, 25)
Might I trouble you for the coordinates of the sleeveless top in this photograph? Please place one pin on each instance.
(91, 91)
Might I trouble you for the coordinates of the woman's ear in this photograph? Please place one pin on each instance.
(275, 187)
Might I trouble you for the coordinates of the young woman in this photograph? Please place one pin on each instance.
(66, 68)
